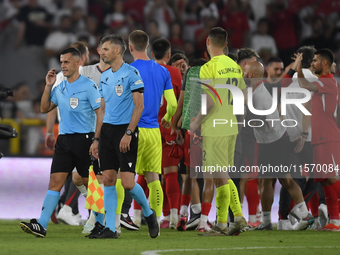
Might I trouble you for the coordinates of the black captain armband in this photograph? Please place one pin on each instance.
(291, 72)
(140, 90)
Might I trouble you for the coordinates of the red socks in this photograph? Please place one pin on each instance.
(172, 190)
(142, 182)
(205, 208)
(253, 196)
(331, 201)
(166, 208)
(185, 200)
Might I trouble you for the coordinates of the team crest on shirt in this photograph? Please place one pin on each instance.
(119, 90)
(74, 102)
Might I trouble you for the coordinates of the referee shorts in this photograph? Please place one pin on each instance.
(72, 151)
(109, 154)
(149, 156)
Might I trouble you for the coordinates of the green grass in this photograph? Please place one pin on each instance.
(62, 239)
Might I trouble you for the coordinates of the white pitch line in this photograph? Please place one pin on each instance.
(158, 252)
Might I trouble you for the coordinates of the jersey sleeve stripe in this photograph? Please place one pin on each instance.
(321, 84)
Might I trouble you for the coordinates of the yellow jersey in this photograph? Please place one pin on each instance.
(221, 121)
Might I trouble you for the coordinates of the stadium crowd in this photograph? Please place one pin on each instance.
(277, 40)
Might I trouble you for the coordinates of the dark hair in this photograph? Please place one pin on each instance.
(326, 54)
(115, 39)
(199, 62)
(176, 57)
(274, 60)
(245, 53)
(263, 20)
(308, 55)
(74, 52)
(65, 16)
(160, 47)
(218, 36)
(80, 46)
(139, 39)
(233, 56)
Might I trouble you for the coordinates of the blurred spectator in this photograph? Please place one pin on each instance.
(318, 38)
(189, 50)
(247, 9)
(209, 9)
(40, 87)
(176, 36)
(259, 8)
(135, 10)
(263, 43)
(23, 100)
(77, 20)
(35, 23)
(191, 21)
(306, 17)
(36, 140)
(118, 21)
(201, 35)
(179, 61)
(160, 11)
(90, 36)
(236, 24)
(283, 21)
(64, 8)
(57, 41)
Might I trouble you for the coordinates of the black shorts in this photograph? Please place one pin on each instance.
(274, 158)
(72, 151)
(109, 155)
(96, 168)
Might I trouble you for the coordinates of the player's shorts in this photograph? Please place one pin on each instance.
(218, 151)
(272, 155)
(149, 156)
(72, 151)
(109, 153)
(166, 149)
(326, 158)
(192, 151)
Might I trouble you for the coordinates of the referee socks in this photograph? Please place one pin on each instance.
(50, 203)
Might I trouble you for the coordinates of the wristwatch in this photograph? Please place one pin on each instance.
(128, 132)
(95, 139)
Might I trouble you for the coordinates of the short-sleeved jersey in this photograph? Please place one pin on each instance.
(156, 79)
(92, 72)
(192, 96)
(293, 112)
(262, 100)
(324, 111)
(116, 88)
(221, 70)
(77, 102)
(176, 80)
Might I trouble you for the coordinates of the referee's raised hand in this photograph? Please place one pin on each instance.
(51, 77)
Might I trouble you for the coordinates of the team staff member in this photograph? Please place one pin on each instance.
(78, 100)
(121, 89)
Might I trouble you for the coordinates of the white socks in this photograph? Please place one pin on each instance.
(184, 211)
(252, 218)
(266, 218)
(117, 224)
(83, 190)
(196, 208)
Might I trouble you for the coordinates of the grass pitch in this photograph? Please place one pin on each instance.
(62, 239)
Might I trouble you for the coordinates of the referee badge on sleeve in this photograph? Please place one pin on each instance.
(119, 90)
(74, 102)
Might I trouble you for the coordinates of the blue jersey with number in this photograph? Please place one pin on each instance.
(116, 88)
(77, 102)
(156, 79)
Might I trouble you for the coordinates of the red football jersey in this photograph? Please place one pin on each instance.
(324, 110)
(176, 80)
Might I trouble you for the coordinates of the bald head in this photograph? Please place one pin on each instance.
(253, 70)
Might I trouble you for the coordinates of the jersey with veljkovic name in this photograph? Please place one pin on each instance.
(116, 88)
(77, 102)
